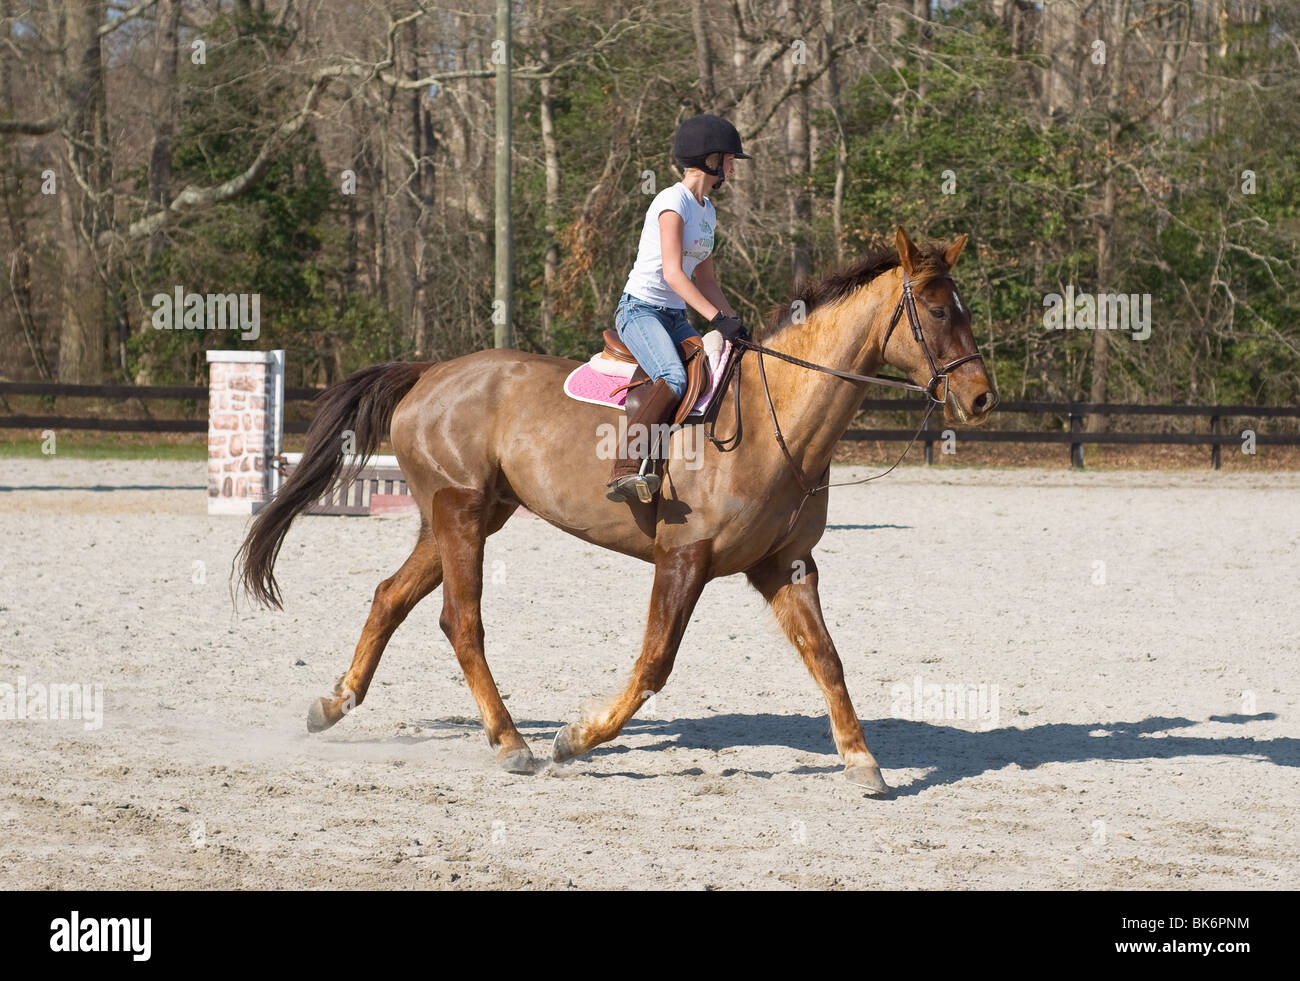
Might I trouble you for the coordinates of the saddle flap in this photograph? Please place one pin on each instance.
(694, 358)
(697, 376)
(698, 379)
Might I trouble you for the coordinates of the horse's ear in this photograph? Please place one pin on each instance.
(908, 254)
(954, 250)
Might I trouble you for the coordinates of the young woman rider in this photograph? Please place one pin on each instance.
(674, 269)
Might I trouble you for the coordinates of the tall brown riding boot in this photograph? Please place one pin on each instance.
(647, 421)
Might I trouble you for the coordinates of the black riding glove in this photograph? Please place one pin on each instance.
(729, 327)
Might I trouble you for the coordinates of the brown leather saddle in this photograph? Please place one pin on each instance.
(693, 357)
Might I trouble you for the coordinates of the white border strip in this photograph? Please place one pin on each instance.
(245, 357)
(293, 459)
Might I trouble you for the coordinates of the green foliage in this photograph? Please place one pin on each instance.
(1219, 263)
(283, 239)
(1029, 195)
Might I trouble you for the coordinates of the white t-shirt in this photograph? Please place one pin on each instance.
(646, 281)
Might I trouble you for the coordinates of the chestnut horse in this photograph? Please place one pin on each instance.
(480, 435)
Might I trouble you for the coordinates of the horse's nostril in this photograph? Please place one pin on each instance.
(985, 403)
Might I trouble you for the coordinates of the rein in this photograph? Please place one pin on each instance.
(906, 304)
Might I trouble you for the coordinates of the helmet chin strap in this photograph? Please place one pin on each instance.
(713, 172)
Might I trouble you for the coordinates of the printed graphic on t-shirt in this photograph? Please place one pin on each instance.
(701, 245)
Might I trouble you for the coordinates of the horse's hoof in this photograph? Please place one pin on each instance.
(322, 715)
(868, 778)
(517, 760)
(566, 745)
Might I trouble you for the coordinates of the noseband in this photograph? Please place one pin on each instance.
(906, 304)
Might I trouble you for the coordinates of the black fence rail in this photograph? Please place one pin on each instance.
(1072, 415)
(141, 394)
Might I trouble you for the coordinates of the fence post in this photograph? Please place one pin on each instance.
(1216, 457)
(929, 452)
(1076, 449)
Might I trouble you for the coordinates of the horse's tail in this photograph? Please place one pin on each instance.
(361, 405)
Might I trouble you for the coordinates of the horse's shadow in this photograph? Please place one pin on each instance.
(949, 754)
(867, 527)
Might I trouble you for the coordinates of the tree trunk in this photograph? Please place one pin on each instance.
(798, 166)
(921, 11)
(1169, 72)
(82, 333)
(841, 141)
(422, 147)
(383, 215)
(703, 54)
(1105, 273)
(740, 195)
(551, 155)
(1218, 11)
(166, 110)
(898, 23)
(17, 275)
(1106, 218)
(1061, 44)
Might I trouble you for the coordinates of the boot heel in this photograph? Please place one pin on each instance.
(634, 474)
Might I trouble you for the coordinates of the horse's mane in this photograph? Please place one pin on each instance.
(839, 284)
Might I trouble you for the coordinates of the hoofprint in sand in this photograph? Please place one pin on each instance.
(1127, 640)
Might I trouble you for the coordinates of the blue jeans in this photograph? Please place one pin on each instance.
(652, 333)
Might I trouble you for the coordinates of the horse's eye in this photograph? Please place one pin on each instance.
(938, 313)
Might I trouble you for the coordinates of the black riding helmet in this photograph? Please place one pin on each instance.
(702, 135)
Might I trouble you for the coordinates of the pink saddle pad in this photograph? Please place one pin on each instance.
(588, 383)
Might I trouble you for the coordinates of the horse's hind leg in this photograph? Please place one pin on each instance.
(395, 597)
(462, 520)
(798, 609)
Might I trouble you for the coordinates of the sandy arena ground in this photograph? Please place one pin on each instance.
(1145, 734)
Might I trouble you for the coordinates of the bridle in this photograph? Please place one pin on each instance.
(908, 302)
(906, 305)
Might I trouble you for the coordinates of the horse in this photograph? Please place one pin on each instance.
(478, 436)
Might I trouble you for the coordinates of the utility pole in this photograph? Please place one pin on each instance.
(503, 303)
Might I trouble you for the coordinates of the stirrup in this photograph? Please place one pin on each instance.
(644, 486)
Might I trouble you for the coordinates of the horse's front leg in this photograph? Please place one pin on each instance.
(788, 581)
(680, 575)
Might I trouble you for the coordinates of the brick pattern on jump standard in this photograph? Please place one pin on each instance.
(237, 432)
